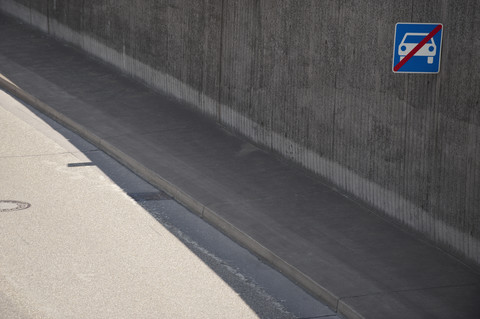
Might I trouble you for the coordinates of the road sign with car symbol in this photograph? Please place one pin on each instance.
(417, 47)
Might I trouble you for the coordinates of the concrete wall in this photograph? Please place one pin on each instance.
(312, 81)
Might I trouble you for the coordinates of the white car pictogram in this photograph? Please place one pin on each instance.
(410, 40)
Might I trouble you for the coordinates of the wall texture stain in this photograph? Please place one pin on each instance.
(312, 80)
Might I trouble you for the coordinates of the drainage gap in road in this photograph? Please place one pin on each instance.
(142, 197)
(12, 205)
(80, 164)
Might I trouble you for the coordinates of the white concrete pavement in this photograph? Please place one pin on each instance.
(84, 248)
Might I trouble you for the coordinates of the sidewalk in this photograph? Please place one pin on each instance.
(360, 264)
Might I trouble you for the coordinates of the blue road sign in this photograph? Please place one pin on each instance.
(417, 47)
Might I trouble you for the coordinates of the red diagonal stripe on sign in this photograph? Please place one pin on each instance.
(417, 47)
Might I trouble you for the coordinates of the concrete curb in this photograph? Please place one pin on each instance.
(188, 201)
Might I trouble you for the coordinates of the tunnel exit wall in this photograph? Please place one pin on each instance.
(313, 81)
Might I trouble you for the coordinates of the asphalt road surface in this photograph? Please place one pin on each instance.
(83, 237)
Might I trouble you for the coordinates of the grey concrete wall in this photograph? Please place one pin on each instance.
(312, 81)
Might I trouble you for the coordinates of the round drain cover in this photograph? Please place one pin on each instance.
(12, 205)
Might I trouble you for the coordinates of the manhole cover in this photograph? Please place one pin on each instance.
(12, 205)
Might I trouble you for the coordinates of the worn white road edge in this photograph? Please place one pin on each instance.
(382, 199)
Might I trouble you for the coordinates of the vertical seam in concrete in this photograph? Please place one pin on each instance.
(436, 151)
(206, 38)
(184, 35)
(476, 181)
(167, 37)
(307, 117)
(437, 156)
(48, 15)
(334, 115)
(30, 11)
(252, 62)
(82, 24)
(411, 11)
(406, 135)
(220, 64)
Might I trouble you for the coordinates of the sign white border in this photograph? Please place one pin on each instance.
(439, 51)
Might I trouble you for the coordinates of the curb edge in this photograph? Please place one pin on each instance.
(291, 272)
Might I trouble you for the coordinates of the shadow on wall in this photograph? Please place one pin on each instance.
(295, 79)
